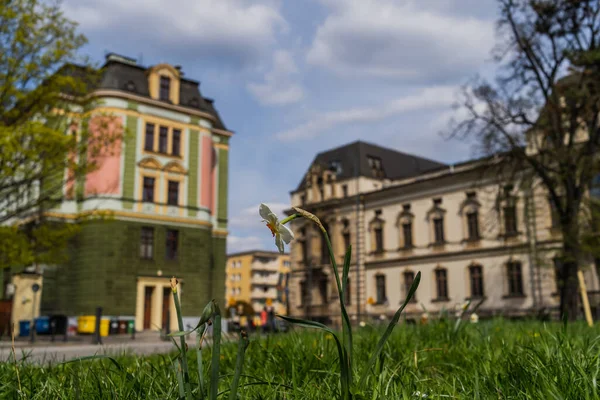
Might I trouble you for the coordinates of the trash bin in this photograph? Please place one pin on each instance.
(114, 326)
(130, 326)
(42, 325)
(86, 324)
(104, 326)
(122, 326)
(60, 324)
(24, 327)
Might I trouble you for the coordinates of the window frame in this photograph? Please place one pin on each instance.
(149, 145)
(476, 277)
(145, 198)
(176, 149)
(147, 243)
(163, 129)
(164, 84)
(380, 283)
(514, 276)
(170, 192)
(172, 236)
(441, 284)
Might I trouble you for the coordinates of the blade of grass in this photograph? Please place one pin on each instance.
(178, 372)
(184, 362)
(389, 329)
(216, 354)
(239, 363)
(341, 352)
(199, 339)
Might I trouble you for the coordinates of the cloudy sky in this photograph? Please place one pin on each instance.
(293, 78)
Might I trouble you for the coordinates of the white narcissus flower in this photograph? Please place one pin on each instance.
(474, 318)
(280, 232)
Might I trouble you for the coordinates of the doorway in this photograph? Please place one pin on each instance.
(148, 292)
(166, 305)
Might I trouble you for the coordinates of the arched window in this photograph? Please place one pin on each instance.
(476, 281)
(435, 216)
(380, 292)
(441, 283)
(376, 230)
(408, 279)
(405, 227)
(469, 209)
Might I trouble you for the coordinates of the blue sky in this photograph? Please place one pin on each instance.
(298, 77)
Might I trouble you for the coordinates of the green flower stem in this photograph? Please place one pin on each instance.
(184, 362)
(239, 363)
(288, 219)
(216, 354)
(346, 328)
(199, 340)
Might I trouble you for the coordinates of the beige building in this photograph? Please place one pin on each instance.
(468, 236)
(257, 277)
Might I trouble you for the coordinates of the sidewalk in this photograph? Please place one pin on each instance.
(45, 351)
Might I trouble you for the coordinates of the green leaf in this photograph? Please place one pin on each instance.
(389, 330)
(180, 333)
(346, 270)
(344, 371)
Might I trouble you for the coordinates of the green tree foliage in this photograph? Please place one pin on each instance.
(47, 146)
(540, 116)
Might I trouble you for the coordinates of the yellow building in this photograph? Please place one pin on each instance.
(258, 278)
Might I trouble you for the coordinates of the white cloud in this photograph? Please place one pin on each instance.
(236, 31)
(279, 87)
(428, 98)
(249, 218)
(236, 244)
(402, 39)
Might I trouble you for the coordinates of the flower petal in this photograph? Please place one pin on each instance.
(264, 211)
(279, 243)
(286, 234)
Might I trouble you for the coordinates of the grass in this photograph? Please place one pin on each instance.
(495, 359)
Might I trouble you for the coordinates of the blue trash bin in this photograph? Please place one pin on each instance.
(24, 327)
(42, 325)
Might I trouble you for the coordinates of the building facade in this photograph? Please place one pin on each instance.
(164, 189)
(258, 278)
(471, 238)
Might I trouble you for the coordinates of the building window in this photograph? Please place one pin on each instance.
(515, 278)
(473, 225)
(378, 232)
(554, 216)
(165, 88)
(324, 248)
(323, 285)
(176, 142)
(409, 278)
(345, 190)
(149, 138)
(407, 234)
(380, 288)
(376, 167)
(302, 199)
(347, 296)
(510, 220)
(346, 237)
(148, 191)
(438, 230)
(303, 294)
(173, 193)
(172, 244)
(162, 139)
(147, 243)
(441, 281)
(476, 278)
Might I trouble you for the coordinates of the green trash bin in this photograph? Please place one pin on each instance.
(130, 326)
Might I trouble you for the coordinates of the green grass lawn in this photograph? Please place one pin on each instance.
(489, 360)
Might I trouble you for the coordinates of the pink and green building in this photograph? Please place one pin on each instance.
(165, 188)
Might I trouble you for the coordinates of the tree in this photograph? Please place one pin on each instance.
(540, 115)
(44, 96)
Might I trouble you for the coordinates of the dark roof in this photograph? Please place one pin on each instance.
(123, 73)
(395, 164)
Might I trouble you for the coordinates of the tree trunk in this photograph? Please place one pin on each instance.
(568, 287)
